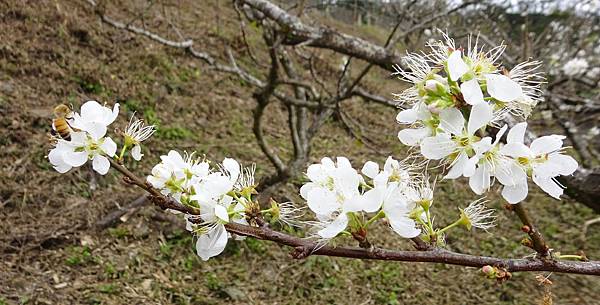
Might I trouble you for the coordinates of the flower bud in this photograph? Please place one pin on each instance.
(525, 228)
(489, 271)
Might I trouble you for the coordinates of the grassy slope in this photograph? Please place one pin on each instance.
(59, 52)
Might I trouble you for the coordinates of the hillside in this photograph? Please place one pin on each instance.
(50, 252)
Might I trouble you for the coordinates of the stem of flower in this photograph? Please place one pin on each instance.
(571, 256)
(379, 215)
(122, 153)
(450, 226)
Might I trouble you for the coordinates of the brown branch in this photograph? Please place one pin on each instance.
(118, 215)
(305, 247)
(538, 243)
(299, 33)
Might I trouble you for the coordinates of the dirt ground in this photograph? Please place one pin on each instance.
(51, 252)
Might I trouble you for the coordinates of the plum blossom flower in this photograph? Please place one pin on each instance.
(489, 162)
(457, 141)
(542, 160)
(477, 215)
(135, 134)
(575, 66)
(332, 193)
(424, 122)
(216, 209)
(95, 118)
(176, 174)
(210, 192)
(395, 193)
(88, 142)
(79, 149)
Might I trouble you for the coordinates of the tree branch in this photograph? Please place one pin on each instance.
(305, 247)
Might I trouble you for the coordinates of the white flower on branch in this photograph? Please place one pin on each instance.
(542, 160)
(457, 142)
(95, 118)
(135, 133)
(82, 147)
(575, 67)
(331, 193)
(175, 174)
(477, 215)
(489, 162)
(89, 142)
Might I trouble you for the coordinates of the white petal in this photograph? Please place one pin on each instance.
(221, 213)
(372, 200)
(517, 133)
(109, 147)
(437, 147)
(232, 167)
(335, 227)
(412, 137)
(316, 173)
(547, 144)
(515, 193)
(212, 243)
(452, 121)
(503, 88)
(471, 91)
(510, 173)
(91, 110)
(515, 150)
(482, 146)
(96, 130)
(548, 185)
(370, 169)
(306, 188)
(136, 152)
(343, 162)
(113, 115)
(458, 166)
(56, 159)
(456, 65)
(75, 159)
(321, 201)
(405, 227)
(500, 133)
(346, 180)
(481, 115)
(327, 162)
(566, 164)
(407, 116)
(480, 180)
(100, 164)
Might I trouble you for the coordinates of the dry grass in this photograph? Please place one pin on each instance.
(57, 51)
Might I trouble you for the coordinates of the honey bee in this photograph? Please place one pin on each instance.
(60, 124)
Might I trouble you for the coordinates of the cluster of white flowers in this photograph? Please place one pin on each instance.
(341, 198)
(88, 140)
(575, 66)
(449, 84)
(221, 194)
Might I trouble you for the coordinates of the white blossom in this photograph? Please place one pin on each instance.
(79, 149)
(135, 133)
(542, 160)
(331, 193)
(575, 66)
(95, 118)
(477, 215)
(88, 142)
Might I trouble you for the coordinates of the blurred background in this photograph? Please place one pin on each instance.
(280, 84)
